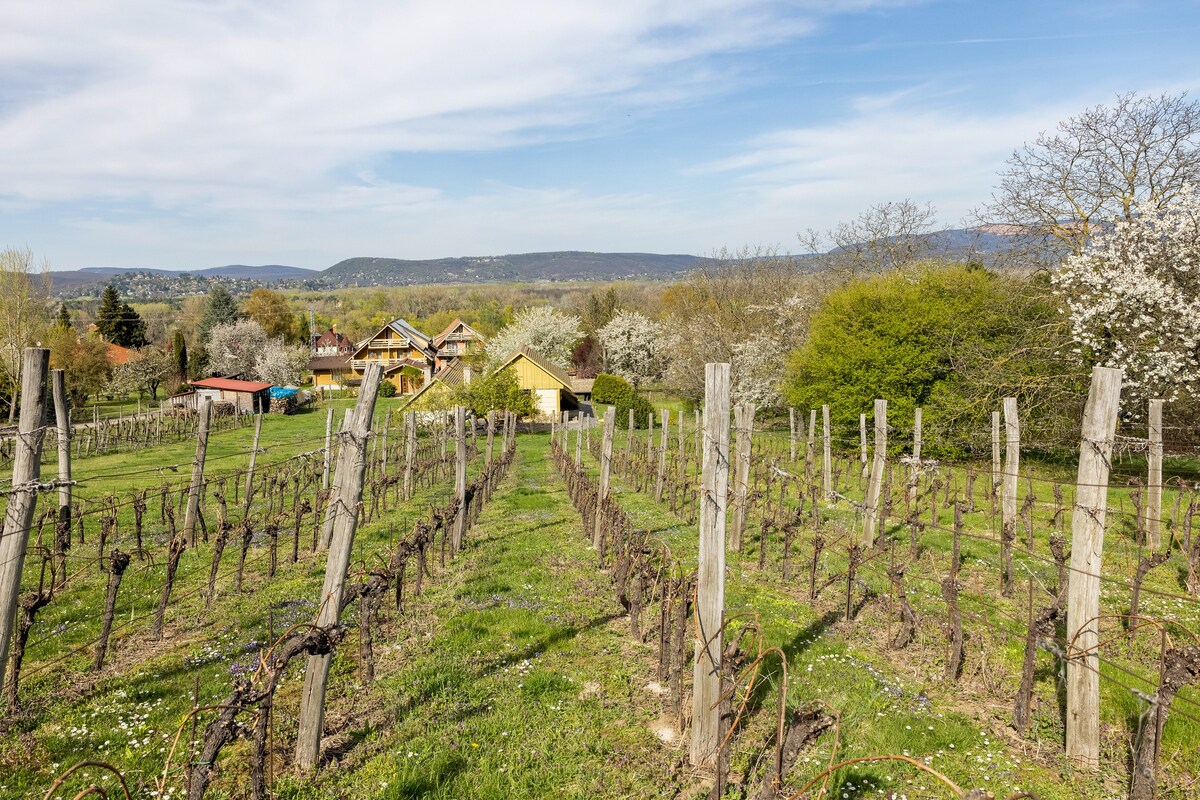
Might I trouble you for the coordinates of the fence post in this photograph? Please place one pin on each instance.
(791, 434)
(826, 453)
(1008, 500)
(62, 418)
(491, 435)
(874, 486)
(410, 449)
(193, 496)
(743, 420)
(253, 457)
(995, 452)
(862, 444)
(1154, 479)
(810, 447)
(328, 448)
(351, 466)
(1083, 589)
(661, 478)
(460, 477)
(22, 503)
(610, 422)
(917, 435)
(710, 581)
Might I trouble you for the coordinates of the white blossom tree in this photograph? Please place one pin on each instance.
(234, 348)
(280, 363)
(541, 328)
(632, 347)
(143, 373)
(1133, 298)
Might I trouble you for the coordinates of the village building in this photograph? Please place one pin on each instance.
(458, 340)
(332, 343)
(245, 397)
(548, 385)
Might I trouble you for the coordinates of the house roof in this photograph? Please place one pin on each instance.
(582, 385)
(332, 338)
(329, 362)
(230, 385)
(453, 374)
(441, 337)
(404, 362)
(400, 326)
(552, 370)
(118, 354)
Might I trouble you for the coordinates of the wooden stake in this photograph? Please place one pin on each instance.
(1087, 543)
(193, 494)
(995, 453)
(1154, 478)
(460, 478)
(743, 420)
(826, 453)
(917, 435)
(328, 448)
(22, 503)
(253, 457)
(871, 515)
(710, 588)
(62, 419)
(610, 421)
(862, 443)
(351, 467)
(1008, 499)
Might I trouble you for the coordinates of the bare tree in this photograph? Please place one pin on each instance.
(1097, 166)
(24, 314)
(884, 237)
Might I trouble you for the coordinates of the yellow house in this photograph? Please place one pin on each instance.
(329, 372)
(457, 341)
(547, 383)
(438, 394)
(407, 355)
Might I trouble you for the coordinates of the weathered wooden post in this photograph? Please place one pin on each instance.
(460, 477)
(62, 419)
(253, 457)
(410, 449)
(810, 448)
(387, 424)
(1154, 479)
(610, 422)
(862, 444)
(661, 478)
(22, 502)
(193, 495)
(710, 580)
(826, 453)
(916, 454)
(743, 422)
(791, 434)
(1087, 546)
(491, 435)
(682, 450)
(579, 440)
(1008, 499)
(995, 453)
(328, 449)
(351, 467)
(874, 486)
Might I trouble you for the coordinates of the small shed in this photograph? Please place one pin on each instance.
(248, 397)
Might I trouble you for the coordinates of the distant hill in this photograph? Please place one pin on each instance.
(265, 272)
(556, 266)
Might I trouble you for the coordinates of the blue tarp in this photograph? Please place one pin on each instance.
(278, 392)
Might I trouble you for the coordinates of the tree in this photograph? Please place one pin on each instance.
(1100, 164)
(1133, 298)
(24, 314)
(633, 347)
(143, 373)
(499, 391)
(587, 357)
(280, 363)
(179, 355)
(88, 370)
(596, 310)
(550, 333)
(947, 337)
(118, 322)
(233, 348)
(885, 236)
(271, 310)
(220, 309)
(64, 316)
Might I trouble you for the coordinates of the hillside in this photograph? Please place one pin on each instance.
(523, 267)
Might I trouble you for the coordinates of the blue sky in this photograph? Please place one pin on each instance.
(194, 134)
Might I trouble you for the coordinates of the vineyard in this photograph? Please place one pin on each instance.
(519, 612)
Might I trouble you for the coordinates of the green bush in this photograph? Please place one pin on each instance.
(609, 389)
(642, 409)
(387, 389)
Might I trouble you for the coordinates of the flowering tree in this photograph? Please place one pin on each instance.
(549, 332)
(143, 373)
(281, 363)
(633, 347)
(233, 348)
(1133, 297)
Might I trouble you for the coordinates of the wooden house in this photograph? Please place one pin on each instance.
(548, 384)
(438, 394)
(247, 397)
(458, 340)
(408, 357)
(330, 372)
(332, 343)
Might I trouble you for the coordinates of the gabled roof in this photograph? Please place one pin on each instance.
(400, 326)
(332, 338)
(118, 354)
(230, 385)
(404, 362)
(453, 374)
(458, 323)
(329, 362)
(537, 358)
(444, 378)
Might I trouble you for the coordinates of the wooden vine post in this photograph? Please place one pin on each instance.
(253, 458)
(1083, 589)
(22, 502)
(743, 422)
(351, 467)
(875, 484)
(1008, 497)
(410, 448)
(193, 495)
(328, 449)
(916, 454)
(862, 444)
(62, 419)
(826, 453)
(995, 452)
(460, 478)
(1154, 478)
(610, 422)
(661, 477)
(710, 586)
(491, 435)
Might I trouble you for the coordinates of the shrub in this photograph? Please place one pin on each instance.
(609, 389)
(642, 409)
(387, 389)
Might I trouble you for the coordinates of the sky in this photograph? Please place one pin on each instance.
(185, 134)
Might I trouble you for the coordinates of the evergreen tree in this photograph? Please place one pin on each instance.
(132, 330)
(179, 354)
(221, 309)
(117, 322)
(64, 316)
